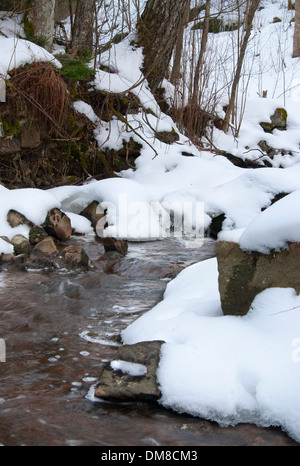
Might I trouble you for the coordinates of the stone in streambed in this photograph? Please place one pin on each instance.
(58, 225)
(117, 385)
(115, 245)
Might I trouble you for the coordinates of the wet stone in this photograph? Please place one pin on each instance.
(113, 244)
(118, 385)
(58, 225)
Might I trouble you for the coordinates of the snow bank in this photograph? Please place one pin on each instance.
(17, 52)
(225, 368)
(32, 203)
(275, 227)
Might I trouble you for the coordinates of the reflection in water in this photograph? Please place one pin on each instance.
(61, 328)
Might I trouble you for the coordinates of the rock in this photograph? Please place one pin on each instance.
(75, 256)
(46, 246)
(37, 234)
(168, 137)
(9, 146)
(58, 225)
(216, 225)
(30, 134)
(279, 119)
(38, 264)
(94, 213)
(242, 275)
(265, 147)
(15, 218)
(21, 245)
(267, 126)
(113, 244)
(121, 386)
(7, 258)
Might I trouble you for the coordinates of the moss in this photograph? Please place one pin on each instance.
(28, 27)
(11, 129)
(168, 137)
(29, 31)
(75, 69)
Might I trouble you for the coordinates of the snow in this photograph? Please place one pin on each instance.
(275, 227)
(130, 368)
(16, 52)
(224, 368)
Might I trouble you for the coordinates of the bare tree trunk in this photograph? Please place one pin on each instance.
(179, 45)
(157, 31)
(83, 27)
(195, 94)
(296, 42)
(41, 16)
(248, 26)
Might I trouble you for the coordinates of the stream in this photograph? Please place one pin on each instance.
(51, 365)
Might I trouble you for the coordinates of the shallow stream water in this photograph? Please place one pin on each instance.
(51, 366)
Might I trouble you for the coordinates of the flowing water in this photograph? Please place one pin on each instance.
(51, 365)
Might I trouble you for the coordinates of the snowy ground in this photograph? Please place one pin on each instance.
(229, 369)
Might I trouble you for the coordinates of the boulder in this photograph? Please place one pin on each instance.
(15, 218)
(46, 246)
(115, 245)
(93, 213)
(115, 384)
(242, 275)
(37, 234)
(75, 256)
(278, 121)
(58, 225)
(9, 146)
(21, 245)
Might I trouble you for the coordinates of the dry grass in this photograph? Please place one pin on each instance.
(46, 92)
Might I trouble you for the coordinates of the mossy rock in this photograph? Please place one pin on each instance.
(168, 137)
(279, 119)
(37, 234)
(11, 128)
(21, 245)
(267, 126)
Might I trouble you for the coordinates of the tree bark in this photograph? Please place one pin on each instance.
(248, 26)
(296, 41)
(83, 27)
(204, 38)
(157, 31)
(179, 46)
(41, 15)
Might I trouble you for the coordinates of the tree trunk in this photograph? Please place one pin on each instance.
(248, 26)
(204, 38)
(41, 17)
(157, 30)
(83, 27)
(296, 43)
(179, 45)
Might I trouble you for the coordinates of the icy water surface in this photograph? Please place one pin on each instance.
(61, 328)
